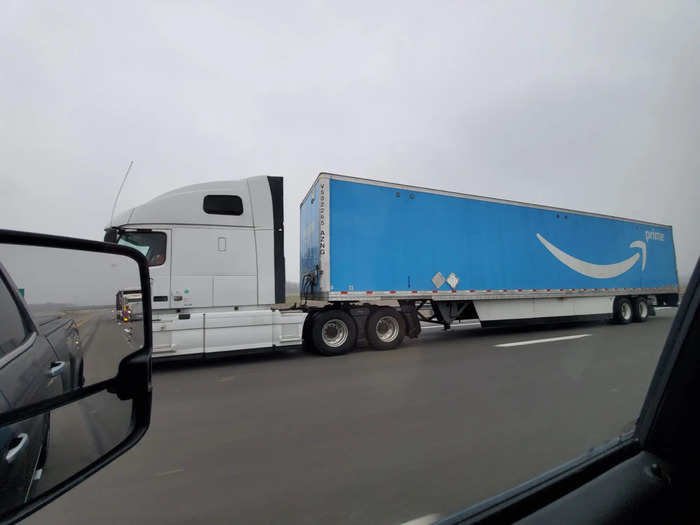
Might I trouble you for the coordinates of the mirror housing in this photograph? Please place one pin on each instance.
(132, 381)
(111, 235)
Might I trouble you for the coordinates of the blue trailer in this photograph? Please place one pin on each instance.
(471, 257)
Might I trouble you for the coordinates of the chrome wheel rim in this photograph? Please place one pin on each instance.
(334, 333)
(387, 329)
(626, 311)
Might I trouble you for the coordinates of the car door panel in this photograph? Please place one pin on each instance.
(25, 378)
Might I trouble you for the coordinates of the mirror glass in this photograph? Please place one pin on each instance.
(38, 453)
(67, 318)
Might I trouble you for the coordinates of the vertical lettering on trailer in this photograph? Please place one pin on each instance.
(323, 233)
(322, 220)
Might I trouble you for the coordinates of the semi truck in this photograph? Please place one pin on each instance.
(377, 259)
(129, 305)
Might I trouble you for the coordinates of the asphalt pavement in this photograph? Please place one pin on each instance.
(83, 431)
(106, 342)
(372, 437)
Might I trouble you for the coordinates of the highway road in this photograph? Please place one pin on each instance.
(81, 432)
(372, 437)
(106, 342)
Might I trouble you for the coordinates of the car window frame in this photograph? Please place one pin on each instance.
(29, 328)
(19, 350)
(659, 417)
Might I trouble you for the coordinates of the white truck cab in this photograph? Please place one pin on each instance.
(216, 260)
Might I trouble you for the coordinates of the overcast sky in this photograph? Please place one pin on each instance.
(49, 275)
(585, 105)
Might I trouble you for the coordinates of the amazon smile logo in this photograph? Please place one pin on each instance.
(597, 271)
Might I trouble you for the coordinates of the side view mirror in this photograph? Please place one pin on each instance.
(75, 363)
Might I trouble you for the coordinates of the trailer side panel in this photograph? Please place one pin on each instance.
(383, 238)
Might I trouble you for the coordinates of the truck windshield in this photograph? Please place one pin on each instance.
(151, 244)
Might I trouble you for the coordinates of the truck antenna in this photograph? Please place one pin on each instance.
(116, 199)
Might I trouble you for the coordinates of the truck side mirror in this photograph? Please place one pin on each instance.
(75, 363)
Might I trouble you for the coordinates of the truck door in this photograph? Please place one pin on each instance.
(156, 245)
(159, 268)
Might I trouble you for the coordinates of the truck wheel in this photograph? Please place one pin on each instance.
(386, 328)
(622, 310)
(641, 309)
(333, 332)
(306, 339)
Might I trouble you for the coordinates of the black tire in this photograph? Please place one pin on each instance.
(306, 338)
(640, 311)
(386, 328)
(333, 332)
(622, 310)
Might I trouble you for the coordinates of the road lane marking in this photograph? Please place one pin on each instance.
(170, 472)
(224, 379)
(81, 323)
(548, 340)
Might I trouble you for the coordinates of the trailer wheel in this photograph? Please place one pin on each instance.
(386, 328)
(622, 310)
(333, 332)
(641, 309)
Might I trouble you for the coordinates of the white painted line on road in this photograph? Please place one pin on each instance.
(548, 340)
(170, 472)
(423, 520)
(226, 378)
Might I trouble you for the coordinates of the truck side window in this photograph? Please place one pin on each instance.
(12, 327)
(152, 244)
(223, 205)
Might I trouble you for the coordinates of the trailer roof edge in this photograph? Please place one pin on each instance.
(374, 182)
